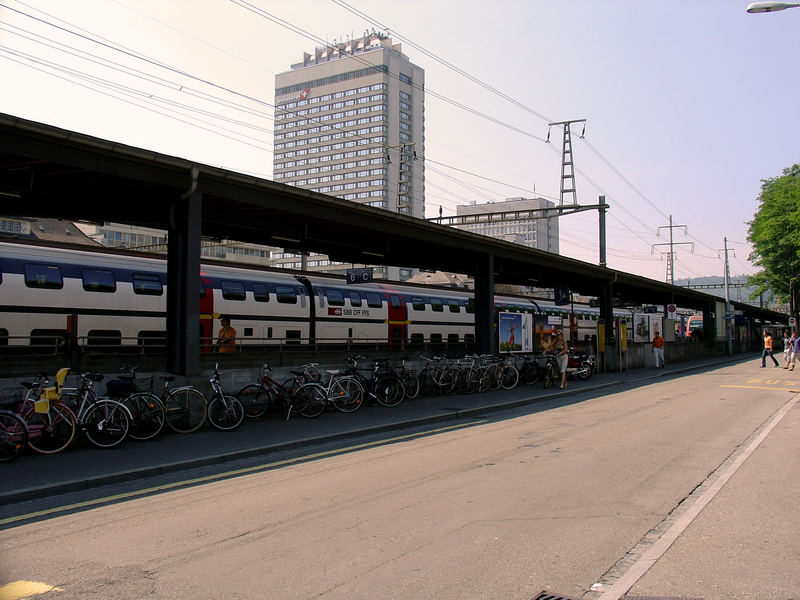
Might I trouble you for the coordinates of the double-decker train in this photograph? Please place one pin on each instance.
(106, 298)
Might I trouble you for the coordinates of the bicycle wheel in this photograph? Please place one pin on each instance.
(509, 377)
(473, 380)
(106, 423)
(411, 384)
(389, 390)
(225, 413)
(147, 415)
(256, 400)
(346, 394)
(53, 431)
(550, 375)
(186, 409)
(495, 378)
(530, 374)
(446, 381)
(310, 400)
(13, 436)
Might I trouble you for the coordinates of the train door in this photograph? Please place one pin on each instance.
(206, 315)
(398, 322)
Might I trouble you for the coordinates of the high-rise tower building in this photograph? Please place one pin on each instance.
(349, 122)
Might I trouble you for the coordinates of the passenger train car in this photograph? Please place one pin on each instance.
(106, 298)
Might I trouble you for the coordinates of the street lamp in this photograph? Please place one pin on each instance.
(762, 7)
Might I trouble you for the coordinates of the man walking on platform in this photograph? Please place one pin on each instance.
(767, 350)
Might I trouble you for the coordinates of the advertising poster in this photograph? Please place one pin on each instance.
(656, 324)
(641, 327)
(516, 332)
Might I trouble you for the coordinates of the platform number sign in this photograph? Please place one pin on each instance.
(359, 275)
(561, 295)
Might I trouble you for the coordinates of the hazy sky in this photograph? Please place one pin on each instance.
(689, 103)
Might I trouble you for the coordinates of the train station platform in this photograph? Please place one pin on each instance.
(82, 467)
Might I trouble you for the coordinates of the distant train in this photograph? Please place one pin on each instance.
(107, 298)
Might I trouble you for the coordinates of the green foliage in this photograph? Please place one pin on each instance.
(775, 234)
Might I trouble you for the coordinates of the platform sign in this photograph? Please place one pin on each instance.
(359, 275)
(561, 295)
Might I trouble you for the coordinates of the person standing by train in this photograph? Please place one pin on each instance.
(227, 336)
(767, 350)
(658, 350)
(562, 356)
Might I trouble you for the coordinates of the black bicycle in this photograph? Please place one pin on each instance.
(552, 374)
(384, 386)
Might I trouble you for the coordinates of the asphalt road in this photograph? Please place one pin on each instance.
(678, 487)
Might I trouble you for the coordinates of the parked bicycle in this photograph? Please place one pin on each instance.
(383, 385)
(552, 374)
(342, 390)
(185, 407)
(225, 412)
(268, 394)
(51, 424)
(148, 415)
(104, 421)
(13, 435)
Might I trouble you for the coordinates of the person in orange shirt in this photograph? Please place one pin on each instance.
(227, 336)
(767, 350)
(658, 350)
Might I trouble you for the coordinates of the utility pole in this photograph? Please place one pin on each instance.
(403, 176)
(671, 244)
(567, 164)
(728, 311)
(602, 228)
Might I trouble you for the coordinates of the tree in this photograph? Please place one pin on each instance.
(775, 235)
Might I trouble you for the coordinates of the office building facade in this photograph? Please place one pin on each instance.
(540, 233)
(349, 122)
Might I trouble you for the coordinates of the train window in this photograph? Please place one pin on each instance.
(417, 303)
(355, 299)
(471, 306)
(469, 340)
(248, 332)
(147, 284)
(98, 280)
(454, 307)
(395, 300)
(436, 305)
(104, 337)
(3, 337)
(335, 297)
(269, 332)
(260, 292)
(452, 339)
(292, 336)
(286, 294)
(232, 290)
(43, 276)
(417, 340)
(436, 340)
(374, 300)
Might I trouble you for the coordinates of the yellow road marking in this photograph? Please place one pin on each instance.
(233, 473)
(25, 589)
(762, 387)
